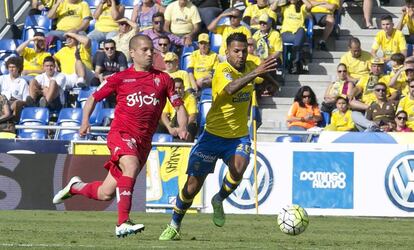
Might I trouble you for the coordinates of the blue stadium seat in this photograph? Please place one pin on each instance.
(104, 113)
(69, 117)
(84, 95)
(215, 42)
(36, 23)
(94, 118)
(289, 138)
(206, 95)
(161, 137)
(33, 116)
(326, 119)
(184, 61)
(129, 3)
(94, 47)
(203, 108)
(93, 3)
(9, 45)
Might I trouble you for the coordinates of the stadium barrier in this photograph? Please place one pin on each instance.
(350, 177)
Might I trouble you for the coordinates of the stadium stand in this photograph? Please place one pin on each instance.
(69, 117)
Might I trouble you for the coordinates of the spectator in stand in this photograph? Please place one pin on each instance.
(407, 20)
(75, 60)
(47, 89)
(202, 64)
(106, 14)
(400, 82)
(144, 12)
(323, 15)
(6, 116)
(158, 31)
(208, 9)
(382, 111)
(362, 95)
(71, 15)
(127, 29)
(33, 58)
(108, 62)
(356, 60)
(407, 104)
(408, 71)
(341, 119)
(40, 5)
(268, 40)
(171, 63)
(304, 112)
(252, 14)
(14, 87)
(165, 45)
(226, 30)
(293, 30)
(251, 50)
(341, 86)
(367, 9)
(182, 19)
(401, 118)
(169, 122)
(389, 40)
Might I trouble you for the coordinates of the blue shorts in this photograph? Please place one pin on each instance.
(319, 19)
(209, 148)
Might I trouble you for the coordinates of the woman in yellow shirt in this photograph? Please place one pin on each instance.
(341, 119)
(293, 29)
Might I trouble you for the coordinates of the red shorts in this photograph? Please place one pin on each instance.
(121, 143)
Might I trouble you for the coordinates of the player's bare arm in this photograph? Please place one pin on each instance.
(182, 119)
(86, 113)
(266, 66)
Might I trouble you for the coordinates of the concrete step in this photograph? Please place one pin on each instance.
(322, 68)
(326, 56)
(308, 78)
(319, 90)
(342, 45)
(376, 10)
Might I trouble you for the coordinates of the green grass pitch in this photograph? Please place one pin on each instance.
(86, 230)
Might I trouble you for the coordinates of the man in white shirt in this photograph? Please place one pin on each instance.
(47, 89)
(13, 86)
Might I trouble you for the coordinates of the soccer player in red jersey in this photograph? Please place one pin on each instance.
(141, 94)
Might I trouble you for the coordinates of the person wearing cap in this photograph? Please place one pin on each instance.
(71, 15)
(158, 31)
(182, 19)
(365, 90)
(407, 73)
(389, 40)
(225, 31)
(106, 14)
(171, 64)
(252, 14)
(268, 40)
(168, 122)
(33, 57)
(356, 60)
(75, 60)
(127, 29)
(202, 64)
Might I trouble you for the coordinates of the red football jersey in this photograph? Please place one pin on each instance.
(140, 99)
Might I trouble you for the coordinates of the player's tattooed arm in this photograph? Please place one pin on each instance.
(266, 66)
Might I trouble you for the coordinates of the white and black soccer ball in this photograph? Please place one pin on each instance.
(293, 219)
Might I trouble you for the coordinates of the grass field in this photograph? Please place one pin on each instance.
(81, 230)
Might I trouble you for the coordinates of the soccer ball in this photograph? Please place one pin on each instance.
(293, 219)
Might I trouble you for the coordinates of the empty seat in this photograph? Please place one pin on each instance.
(69, 117)
(33, 116)
(161, 137)
(289, 138)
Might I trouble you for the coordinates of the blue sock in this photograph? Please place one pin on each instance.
(228, 186)
(180, 208)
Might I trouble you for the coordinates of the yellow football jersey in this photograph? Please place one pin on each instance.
(203, 65)
(226, 31)
(228, 114)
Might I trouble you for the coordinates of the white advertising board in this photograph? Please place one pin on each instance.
(326, 179)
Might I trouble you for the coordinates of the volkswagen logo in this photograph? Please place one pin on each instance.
(244, 196)
(399, 181)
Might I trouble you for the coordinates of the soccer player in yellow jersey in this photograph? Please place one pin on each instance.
(389, 40)
(226, 135)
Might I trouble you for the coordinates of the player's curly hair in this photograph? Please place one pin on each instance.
(239, 37)
(299, 96)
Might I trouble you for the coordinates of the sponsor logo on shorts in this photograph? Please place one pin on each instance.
(206, 158)
(399, 181)
(140, 99)
(244, 196)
